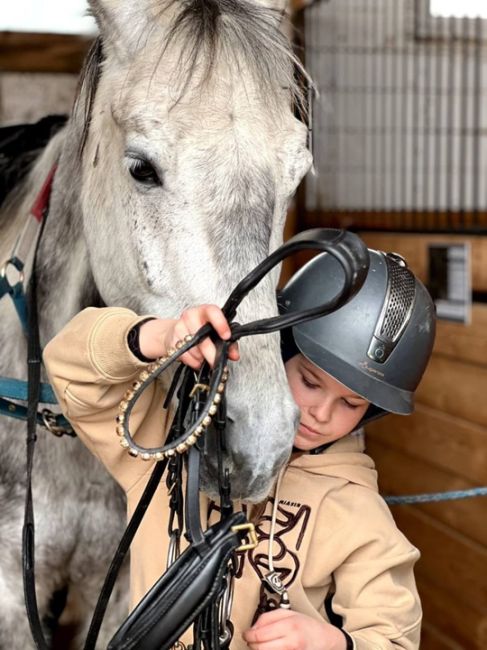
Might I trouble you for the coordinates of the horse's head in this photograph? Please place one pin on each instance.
(192, 154)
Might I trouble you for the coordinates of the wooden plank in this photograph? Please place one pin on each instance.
(415, 249)
(299, 5)
(397, 220)
(464, 342)
(400, 474)
(456, 388)
(448, 559)
(449, 443)
(445, 613)
(30, 52)
(433, 639)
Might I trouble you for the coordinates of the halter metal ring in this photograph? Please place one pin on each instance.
(12, 262)
(50, 423)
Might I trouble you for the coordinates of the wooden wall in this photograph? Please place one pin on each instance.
(443, 446)
(38, 74)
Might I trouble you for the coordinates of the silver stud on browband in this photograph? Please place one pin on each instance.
(143, 376)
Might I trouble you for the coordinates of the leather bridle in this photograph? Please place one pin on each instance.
(206, 567)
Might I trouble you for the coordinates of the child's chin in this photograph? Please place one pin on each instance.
(301, 443)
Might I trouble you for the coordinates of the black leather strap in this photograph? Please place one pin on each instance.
(349, 641)
(194, 531)
(28, 536)
(120, 554)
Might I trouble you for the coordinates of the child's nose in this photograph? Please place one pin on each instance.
(322, 411)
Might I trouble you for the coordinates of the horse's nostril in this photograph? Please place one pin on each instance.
(230, 420)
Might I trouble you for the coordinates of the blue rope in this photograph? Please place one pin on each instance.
(437, 496)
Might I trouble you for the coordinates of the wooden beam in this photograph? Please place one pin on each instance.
(397, 220)
(31, 52)
(462, 624)
(400, 474)
(456, 388)
(299, 5)
(445, 442)
(414, 247)
(449, 560)
(464, 342)
(433, 639)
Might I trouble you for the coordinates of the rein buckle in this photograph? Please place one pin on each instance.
(198, 387)
(251, 536)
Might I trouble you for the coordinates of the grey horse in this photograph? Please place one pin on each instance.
(173, 177)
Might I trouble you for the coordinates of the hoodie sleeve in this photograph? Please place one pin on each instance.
(90, 367)
(375, 590)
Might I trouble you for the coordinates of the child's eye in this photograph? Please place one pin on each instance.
(307, 383)
(349, 405)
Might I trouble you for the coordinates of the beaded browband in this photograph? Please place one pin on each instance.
(350, 252)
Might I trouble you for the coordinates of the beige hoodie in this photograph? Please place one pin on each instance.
(334, 533)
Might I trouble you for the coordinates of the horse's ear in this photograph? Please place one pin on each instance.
(121, 23)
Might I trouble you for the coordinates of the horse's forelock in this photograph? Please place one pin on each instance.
(239, 32)
(205, 35)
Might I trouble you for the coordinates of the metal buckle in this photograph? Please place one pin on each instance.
(225, 609)
(251, 535)
(174, 550)
(50, 422)
(197, 387)
(4, 273)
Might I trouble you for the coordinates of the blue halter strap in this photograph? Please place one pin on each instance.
(12, 284)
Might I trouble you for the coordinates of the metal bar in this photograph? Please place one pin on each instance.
(407, 135)
(377, 54)
(476, 131)
(383, 131)
(438, 162)
(464, 121)
(416, 171)
(450, 121)
(398, 11)
(429, 131)
(367, 109)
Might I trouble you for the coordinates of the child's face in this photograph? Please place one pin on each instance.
(329, 410)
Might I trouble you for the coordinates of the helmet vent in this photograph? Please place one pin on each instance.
(401, 295)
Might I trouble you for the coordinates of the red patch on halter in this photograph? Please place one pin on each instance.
(41, 202)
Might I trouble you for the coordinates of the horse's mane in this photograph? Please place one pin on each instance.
(205, 31)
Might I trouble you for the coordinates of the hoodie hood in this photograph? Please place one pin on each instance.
(344, 459)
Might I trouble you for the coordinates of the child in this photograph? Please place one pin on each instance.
(347, 569)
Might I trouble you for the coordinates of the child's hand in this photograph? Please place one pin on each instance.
(158, 336)
(283, 629)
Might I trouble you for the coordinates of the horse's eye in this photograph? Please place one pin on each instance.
(143, 172)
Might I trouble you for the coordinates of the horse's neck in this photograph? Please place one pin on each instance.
(64, 280)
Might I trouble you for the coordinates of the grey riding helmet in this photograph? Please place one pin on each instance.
(379, 343)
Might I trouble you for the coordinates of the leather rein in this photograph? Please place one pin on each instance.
(196, 588)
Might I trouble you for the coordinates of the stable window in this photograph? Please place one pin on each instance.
(458, 8)
(450, 20)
